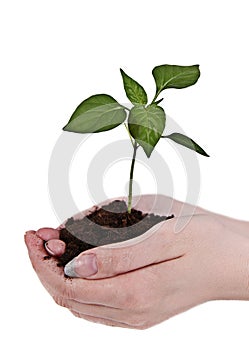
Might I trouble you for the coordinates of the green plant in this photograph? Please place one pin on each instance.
(145, 123)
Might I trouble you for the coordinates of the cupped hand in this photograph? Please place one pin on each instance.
(146, 280)
(156, 204)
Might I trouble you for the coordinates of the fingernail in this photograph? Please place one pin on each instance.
(47, 233)
(55, 247)
(82, 266)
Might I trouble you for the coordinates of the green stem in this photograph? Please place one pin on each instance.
(135, 147)
(127, 129)
(155, 97)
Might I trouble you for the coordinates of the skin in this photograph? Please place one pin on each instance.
(196, 257)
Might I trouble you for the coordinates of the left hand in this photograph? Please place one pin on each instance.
(205, 261)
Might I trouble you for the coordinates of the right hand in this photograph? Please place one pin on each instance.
(158, 204)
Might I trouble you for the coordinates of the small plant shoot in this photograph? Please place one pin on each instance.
(144, 122)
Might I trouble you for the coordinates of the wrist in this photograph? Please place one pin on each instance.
(236, 261)
(238, 226)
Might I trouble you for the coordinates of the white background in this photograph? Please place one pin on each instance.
(54, 54)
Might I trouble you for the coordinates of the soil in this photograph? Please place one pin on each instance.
(108, 224)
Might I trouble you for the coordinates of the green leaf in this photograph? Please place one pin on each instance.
(95, 114)
(134, 91)
(178, 77)
(146, 125)
(186, 142)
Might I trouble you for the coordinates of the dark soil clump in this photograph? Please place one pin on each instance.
(108, 224)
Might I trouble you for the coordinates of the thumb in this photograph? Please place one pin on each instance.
(158, 244)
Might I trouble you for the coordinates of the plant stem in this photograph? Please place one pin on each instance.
(155, 97)
(135, 147)
(127, 129)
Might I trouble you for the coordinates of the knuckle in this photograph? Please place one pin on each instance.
(76, 314)
(142, 326)
(136, 304)
(69, 289)
(60, 300)
(138, 321)
(106, 264)
(130, 301)
(141, 320)
(115, 262)
(67, 292)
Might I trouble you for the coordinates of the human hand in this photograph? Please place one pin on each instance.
(154, 277)
(156, 204)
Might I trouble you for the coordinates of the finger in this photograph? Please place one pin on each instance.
(47, 233)
(47, 270)
(125, 316)
(158, 244)
(58, 285)
(101, 320)
(94, 310)
(55, 247)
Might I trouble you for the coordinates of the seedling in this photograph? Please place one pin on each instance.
(144, 122)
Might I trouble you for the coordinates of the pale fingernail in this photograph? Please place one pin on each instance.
(82, 266)
(47, 233)
(55, 247)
